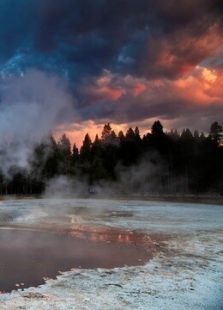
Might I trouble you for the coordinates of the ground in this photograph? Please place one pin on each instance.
(185, 273)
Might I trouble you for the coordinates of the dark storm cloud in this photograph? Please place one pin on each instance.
(128, 36)
(100, 34)
(146, 39)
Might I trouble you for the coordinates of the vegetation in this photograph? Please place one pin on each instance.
(186, 162)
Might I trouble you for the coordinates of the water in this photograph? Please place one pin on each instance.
(27, 256)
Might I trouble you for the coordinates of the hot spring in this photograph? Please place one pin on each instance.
(170, 254)
(28, 256)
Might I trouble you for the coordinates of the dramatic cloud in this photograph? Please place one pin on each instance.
(137, 97)
(179, 53)
(124, 61)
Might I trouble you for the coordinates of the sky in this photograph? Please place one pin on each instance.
(128, 62)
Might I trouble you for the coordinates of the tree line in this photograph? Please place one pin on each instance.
(183, 162)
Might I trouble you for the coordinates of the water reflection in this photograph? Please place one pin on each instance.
(28, 256)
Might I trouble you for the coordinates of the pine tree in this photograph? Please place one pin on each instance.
(85, 151)
(216, 132)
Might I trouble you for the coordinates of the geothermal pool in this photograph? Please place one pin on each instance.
(113, 254)
(28, 256)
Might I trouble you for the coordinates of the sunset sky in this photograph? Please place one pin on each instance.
(128, 62)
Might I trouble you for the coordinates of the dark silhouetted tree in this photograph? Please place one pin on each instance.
(216, 132)
(157, 128)
(182, 163)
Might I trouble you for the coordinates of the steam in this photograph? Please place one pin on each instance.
(150, 176)
(63, 186)
(31, 107)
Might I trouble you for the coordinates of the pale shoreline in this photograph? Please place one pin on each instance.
(187, 274)
(175, 198)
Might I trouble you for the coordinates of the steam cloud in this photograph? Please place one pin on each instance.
(142, 179)
(31, 107)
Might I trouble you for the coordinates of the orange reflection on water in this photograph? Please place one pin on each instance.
(108, 235)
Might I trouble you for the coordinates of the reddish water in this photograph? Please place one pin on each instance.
(28, 256)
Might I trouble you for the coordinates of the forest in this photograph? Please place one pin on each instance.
(157, 162)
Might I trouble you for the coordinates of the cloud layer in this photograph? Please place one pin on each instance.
(124, 61)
